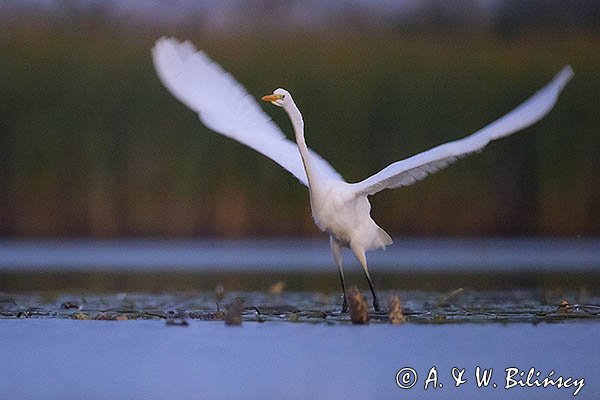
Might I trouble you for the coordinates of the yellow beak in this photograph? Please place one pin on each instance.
(271, 97)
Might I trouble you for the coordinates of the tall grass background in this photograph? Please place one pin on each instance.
(91, 144)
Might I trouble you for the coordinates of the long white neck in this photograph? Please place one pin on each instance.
(298, 124)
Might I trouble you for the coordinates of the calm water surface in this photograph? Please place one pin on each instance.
(304, 348)
(65, 359)
(299, 255)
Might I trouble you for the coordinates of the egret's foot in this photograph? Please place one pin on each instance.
(376, 304)
(344, 305)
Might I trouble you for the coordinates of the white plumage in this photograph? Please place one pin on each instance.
(415, 168)
(339, 208)
(225, 106)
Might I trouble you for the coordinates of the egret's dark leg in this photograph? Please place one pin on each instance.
(375, 301)
(344, 302)
(336, 251)
(360, 255)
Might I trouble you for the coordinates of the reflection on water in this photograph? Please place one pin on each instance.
(405, 255)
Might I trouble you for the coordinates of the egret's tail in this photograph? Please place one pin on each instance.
(384, 238)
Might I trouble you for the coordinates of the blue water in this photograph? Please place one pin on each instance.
(64, 359)
(55, 358)
(405, 255)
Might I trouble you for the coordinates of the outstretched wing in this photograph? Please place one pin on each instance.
(415, 168)
(225, 107)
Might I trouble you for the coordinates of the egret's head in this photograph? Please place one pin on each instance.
(280, 97)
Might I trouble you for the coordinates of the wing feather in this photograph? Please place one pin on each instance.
(225, 106)
(415, 168)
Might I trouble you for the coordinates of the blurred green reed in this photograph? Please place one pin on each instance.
(92, 144)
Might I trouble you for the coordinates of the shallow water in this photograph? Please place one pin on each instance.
(140, 319)
(517, 305)
(65, 359)
(286, 255)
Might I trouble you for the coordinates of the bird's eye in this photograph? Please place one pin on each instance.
(282, 96)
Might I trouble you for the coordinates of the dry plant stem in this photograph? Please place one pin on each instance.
(396, 314)
(359, 309)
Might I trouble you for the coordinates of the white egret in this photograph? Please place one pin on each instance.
(339, 208)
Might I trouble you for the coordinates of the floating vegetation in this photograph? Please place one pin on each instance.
(564, 306)
(80, 316)
(178, 308)
(69, 305)
(110, 316)
(177, 322)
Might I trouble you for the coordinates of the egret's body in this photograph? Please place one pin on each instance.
(346, 217)
(339, 208)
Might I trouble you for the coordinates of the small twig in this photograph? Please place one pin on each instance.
(219, 295)
(444, 300)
